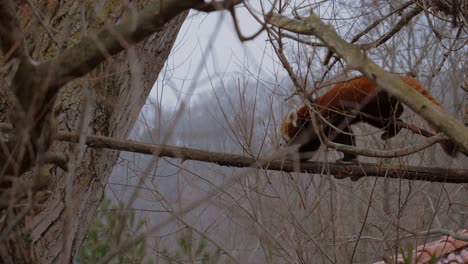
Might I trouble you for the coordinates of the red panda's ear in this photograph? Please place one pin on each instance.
(291, 118)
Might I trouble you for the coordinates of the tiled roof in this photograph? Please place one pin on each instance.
(445, 250)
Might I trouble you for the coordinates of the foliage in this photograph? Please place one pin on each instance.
(112, 227)
(193, 250)
(407, 257)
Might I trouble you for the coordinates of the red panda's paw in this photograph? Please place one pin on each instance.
(386, 136)
(389, 134)
(347, 161)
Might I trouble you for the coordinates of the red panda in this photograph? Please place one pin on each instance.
(347, 103)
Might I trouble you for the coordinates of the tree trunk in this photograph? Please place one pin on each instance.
(105, 102)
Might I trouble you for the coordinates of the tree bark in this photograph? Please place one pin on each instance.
(105, 102)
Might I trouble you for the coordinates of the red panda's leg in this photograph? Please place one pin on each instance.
(387, 120)
(308, 148)
(346, 139)
(392, 127)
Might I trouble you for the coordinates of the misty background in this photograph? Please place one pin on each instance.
(219, 94)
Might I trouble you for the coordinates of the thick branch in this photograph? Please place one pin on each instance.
(437, 116)
(84, 56)
(339, 170)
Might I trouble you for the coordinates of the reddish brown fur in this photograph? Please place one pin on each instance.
(357, 94)
(359, 88)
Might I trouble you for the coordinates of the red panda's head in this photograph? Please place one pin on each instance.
(298, 132)
(290, 126)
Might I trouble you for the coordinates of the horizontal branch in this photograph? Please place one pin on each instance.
(356, 59)
(339, 170)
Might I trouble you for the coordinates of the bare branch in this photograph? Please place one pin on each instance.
(278, 48)
(84, 56)
(447, 232)
(241, 37)
(216, 6)
(339, 170)
(367, 30)
(405, 19)
(378, 21)
(303, 41)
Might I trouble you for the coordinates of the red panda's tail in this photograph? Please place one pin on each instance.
(449, 147)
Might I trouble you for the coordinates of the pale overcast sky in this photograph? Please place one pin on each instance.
(212, 36)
